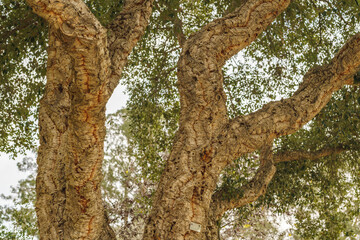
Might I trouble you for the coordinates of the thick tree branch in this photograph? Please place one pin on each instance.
(203, 100)
(226, 36)
(223, 201)
(126, 30)
(287, 116)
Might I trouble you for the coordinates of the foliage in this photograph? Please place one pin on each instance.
(18, 220)
(22, 60)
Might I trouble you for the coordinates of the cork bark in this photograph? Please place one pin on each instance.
(85, 61)
(207, 140)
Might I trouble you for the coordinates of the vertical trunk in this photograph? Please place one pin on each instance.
(52, 154)
(183, 197)
(72, 131)
(81, 75)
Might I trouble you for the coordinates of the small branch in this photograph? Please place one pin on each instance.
(298, 155)
(222, 201)
(173, 16)
(178, 29)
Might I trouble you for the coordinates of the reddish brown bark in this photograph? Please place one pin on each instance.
(81, 75)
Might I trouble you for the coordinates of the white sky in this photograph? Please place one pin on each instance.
(9, 173)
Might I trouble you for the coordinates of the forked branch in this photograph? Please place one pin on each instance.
(223, 201)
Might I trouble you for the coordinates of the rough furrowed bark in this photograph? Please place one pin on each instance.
(247, 133)
(72, 118)
(284, 117)
(80, 81)
(184, 194)
(125, 31)
(52, 153)
(81, 76)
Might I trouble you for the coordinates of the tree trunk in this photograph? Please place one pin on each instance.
(52, 153)
(81, 76)
(183, 197)
(72, 131)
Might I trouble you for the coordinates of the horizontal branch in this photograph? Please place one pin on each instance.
(247, 133)
(223, 200)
